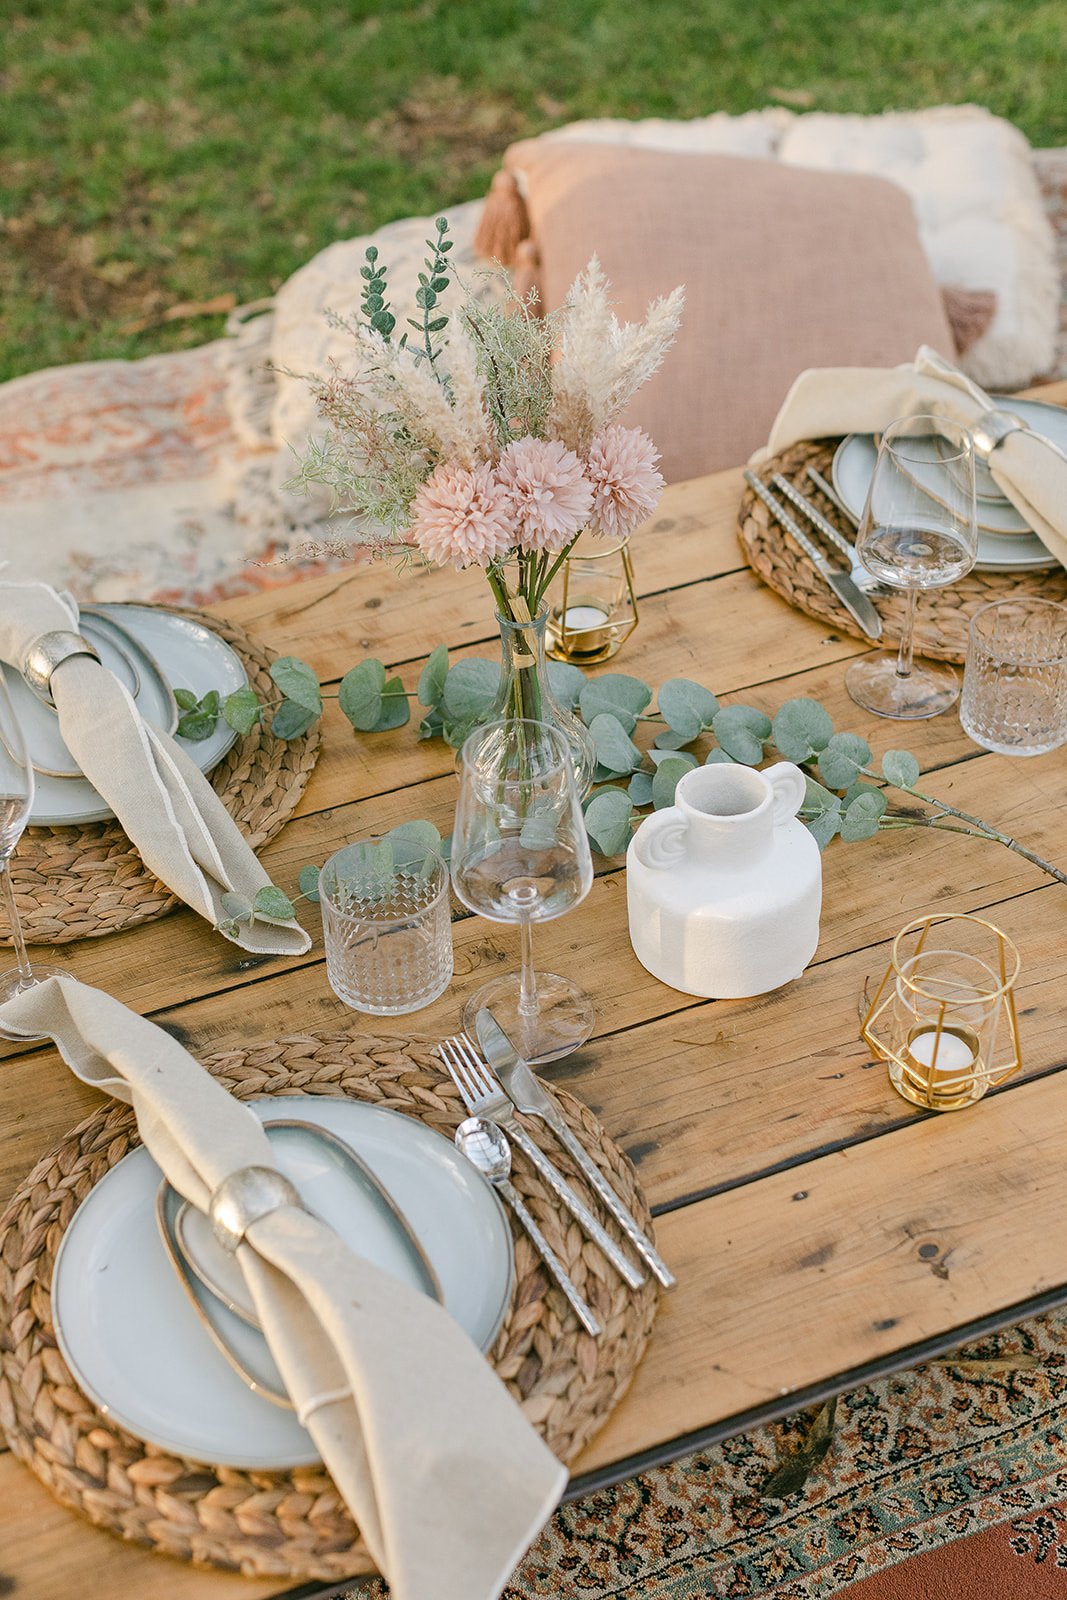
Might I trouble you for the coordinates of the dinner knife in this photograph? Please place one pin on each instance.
(531, 1097)
(839, 582)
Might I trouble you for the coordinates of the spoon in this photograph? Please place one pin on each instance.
(487, 1149)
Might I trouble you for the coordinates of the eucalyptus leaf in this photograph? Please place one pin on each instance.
(432, 677)
(717, 757)
(210, 703)
(666, 780)
(308, 879)
(860, 820)
(900, 767)
(298, 682)
(291, 720)
(236, 906)
(607, 821)
(857, 789)
(615, 750)
(742, 732)
(470, 690)
(360, 694)
(667, 739)
(842, 760)
(640, 788)
(186, 699)
(802, 728)
(619, 695)
(414, 843)
(822, 828)
(197, 725)
(432, 726)
(658, 757)
(817, 799)
(566, 682)
(396, 707)
(242, 709)
(273, 902)
(687, 706)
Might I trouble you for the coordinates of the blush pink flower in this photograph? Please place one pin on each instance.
(549, 494)
(461, 515)
(626, 485)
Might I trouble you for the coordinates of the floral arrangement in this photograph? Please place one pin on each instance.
(494, 445)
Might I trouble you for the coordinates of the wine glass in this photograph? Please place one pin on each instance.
(16, 801)
(918, 531)
(520, 853)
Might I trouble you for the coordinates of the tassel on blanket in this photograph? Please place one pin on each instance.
(526, 273)
(969, 313)
(504, 223)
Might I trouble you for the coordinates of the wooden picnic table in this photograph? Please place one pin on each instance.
(822, 1231)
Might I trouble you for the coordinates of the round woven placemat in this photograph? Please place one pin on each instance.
(943, 614)
(293, 1524)
(81, 882)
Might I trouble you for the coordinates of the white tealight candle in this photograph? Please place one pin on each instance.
(947, 1053)
(579, 618)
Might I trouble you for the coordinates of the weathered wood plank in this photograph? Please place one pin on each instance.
(888, 1244)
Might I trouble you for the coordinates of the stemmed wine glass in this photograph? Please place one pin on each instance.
(918, 531)
(16, 801)
(520, 853)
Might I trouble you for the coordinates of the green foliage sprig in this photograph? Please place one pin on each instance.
(846, 796)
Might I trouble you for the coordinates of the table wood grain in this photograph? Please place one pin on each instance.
(822, 1231)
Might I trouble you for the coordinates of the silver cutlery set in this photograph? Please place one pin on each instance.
(853, 587)
(494, 1095)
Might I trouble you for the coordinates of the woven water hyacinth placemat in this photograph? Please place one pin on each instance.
(293, 1524)
(943, 614)
(81, 882)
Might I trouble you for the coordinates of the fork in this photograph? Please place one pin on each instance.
(483, 1096)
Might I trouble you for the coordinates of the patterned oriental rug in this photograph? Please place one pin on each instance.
(945, 1483)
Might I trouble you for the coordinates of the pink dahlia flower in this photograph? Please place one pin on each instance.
(461, 515)
(626, 485)
(549, 494)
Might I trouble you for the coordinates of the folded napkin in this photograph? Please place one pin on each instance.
(446, 1479)
(829, 401)
(181, 829)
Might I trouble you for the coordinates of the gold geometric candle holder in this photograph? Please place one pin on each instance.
(947, 994)
(592, 603)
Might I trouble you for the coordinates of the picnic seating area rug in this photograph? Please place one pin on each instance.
(948, 1482)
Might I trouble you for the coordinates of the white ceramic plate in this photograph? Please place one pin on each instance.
(187, 656)
(853, 468)
(136, 1346)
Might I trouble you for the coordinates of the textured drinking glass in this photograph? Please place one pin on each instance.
(918, 531)
(520, 854)
(387, 926)
(1015, 681)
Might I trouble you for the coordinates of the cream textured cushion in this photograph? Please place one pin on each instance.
(784, 269)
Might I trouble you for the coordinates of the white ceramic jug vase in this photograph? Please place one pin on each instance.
(724, 888)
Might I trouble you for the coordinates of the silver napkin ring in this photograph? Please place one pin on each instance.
(45, 655)
(245, 1196)
(992, 428)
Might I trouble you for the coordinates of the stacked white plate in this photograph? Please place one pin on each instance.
(151, 652)
(1006, 542)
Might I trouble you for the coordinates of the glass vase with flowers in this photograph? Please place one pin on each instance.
(493, 440)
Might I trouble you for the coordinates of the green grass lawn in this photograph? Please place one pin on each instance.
(171, 151)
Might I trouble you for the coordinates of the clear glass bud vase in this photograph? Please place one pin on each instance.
(525, 691)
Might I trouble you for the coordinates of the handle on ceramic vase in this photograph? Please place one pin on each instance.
(660, 840)
(789, 788)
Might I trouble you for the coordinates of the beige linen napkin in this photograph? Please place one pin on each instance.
(446, 1479)
(829, 401)
(181, 829)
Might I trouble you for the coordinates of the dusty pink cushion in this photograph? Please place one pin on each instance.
(784, 269)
